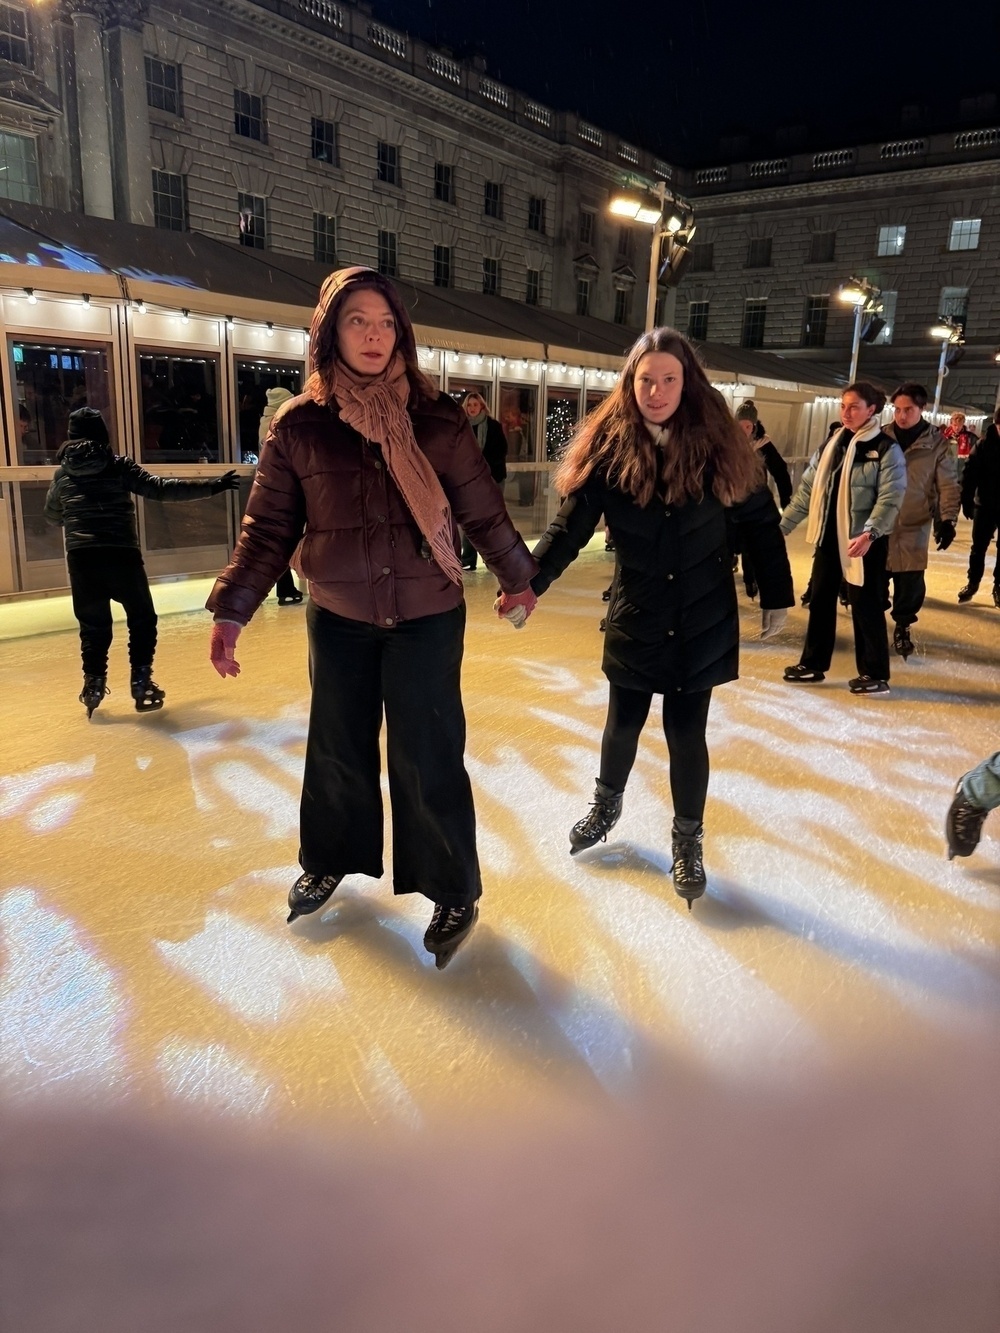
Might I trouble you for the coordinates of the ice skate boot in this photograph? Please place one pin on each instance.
(94, 690)
(688, 871)
(963, 825)
(605, 813)
(967, 593)
(901, 641)
(147, 694)
(996, 594)
(309, 893)
(449, 928)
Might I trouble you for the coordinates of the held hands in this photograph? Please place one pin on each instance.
(515, 606)
(944, 533)
(229, 481)
(772, 622)
(859, 546)
(221, 653)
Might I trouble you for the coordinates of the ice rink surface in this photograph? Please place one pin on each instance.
(146, 860)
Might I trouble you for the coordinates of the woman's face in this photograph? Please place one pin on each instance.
(366, 332)
(855, 412)
(474, 405)
(659, 383)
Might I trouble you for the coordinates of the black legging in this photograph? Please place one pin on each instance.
(685, 718)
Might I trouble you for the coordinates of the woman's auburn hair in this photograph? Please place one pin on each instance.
(704, 439)
(326, 351)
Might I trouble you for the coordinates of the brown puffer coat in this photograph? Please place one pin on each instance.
(931, 492)
(320, 487)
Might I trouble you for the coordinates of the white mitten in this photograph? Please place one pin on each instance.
(772, 622)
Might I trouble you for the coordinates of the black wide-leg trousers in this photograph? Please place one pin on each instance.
(871, 641)
(411, 673)
(98, 576)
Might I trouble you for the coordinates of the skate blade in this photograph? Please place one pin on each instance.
(445, 953)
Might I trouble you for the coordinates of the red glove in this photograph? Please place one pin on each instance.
(224, 636)
(516, 606)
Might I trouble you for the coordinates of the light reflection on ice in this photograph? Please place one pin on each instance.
(213, 1077)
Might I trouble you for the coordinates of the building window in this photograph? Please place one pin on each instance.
(624, 243)
(659, 309)
(493, 199)
(14, 36)
(583, 296)
(623, 305)
(19, 168)
(387, 163)
(698, 320)
(170, 201)
(814, 326)
(888, 302)
(587, 228)
(536, 214)
(442, 266)
(253, 220)
(954, 302)
(324, 142)
(532, 287)
(703, 257)
(163, 86)
(387, 254)
(324, 238)
(444, 183)
(964, 234)
(491, 277)
(249, 115)
(759, 252)
(891, 240)
(754, 316)
(822, 247)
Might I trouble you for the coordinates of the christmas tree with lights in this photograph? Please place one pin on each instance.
(558, 428)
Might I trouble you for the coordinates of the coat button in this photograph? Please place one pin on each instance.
(381, 518)
(386, 569)
(388, 620)
(670, 576)
(670, 633)
(377, 463)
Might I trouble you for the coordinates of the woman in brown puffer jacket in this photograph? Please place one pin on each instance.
(362, 482)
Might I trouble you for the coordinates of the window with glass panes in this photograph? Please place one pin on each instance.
(444, 183)
(14, 35)
(387, 163)
(759, 252)
(623, 305)
(814, 324)
(703, 257)
(170, 201)
(387, 253)
(532, 286)
(493, 199)
(253, 220)
(964, 234)
(248, 115)
(587, 227)
(891, 240)
(697, 320)
(163, 86)
(442, 266)
(536, 214)
(324, 238)
(954, 301)
(754, 318)
(822, 247)
(583, 296)
(19, 168)
(491, 277)
(624, 243)
(888, 313)
(324, 141)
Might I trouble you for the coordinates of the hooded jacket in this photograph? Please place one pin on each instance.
(275, 397)
(877, 482)
(323, 501)
(981, 478)
(931, 492)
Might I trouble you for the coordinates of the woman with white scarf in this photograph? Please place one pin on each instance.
(848, 525)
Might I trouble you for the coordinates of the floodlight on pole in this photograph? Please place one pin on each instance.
(950, 333)
(865, 297)
(668, 216)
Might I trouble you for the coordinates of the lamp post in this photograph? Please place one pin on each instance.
(949, 331)
(864, 296)
(667, 215)
(996, 358)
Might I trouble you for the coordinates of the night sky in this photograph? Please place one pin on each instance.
(679, 77)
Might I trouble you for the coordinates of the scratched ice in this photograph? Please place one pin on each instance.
(211, 1076)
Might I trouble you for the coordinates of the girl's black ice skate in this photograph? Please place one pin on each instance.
(595, 827)
(94, 690)
(450, 927)
(309, 893)
(688, 870)
(147, 694)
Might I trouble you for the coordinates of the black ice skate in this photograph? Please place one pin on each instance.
(595, 827)
(147, 694)
(901, 641)
(688, 871)
(963, 825)
(309, 893)
(450, 927)
(967, 593)
(94, 690)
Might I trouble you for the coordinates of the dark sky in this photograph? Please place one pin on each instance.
(675, 76)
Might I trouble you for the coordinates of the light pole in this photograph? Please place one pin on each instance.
(996, 359)
(864, 296)
(949, 331)
(668, 216)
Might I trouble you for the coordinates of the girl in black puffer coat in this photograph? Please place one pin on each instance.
(91, 499)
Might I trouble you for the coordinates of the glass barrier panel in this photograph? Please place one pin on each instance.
(52, 380)
(178, 408)
(562, 412)
(42, 540)
(186, 523)
(254, 378)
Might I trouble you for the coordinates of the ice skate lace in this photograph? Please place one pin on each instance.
(688, 865)
(312, 887)
(447, 919)
(968, 821)
(598, 822)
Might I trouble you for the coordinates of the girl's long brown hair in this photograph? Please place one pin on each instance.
(705, 440)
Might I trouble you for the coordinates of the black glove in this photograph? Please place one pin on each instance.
(969, 510)
(944, 533)
(229, 481)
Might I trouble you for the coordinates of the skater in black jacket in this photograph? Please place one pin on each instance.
(91, 499)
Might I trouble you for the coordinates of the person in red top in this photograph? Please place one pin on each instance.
(362, 482)
(964, 439)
